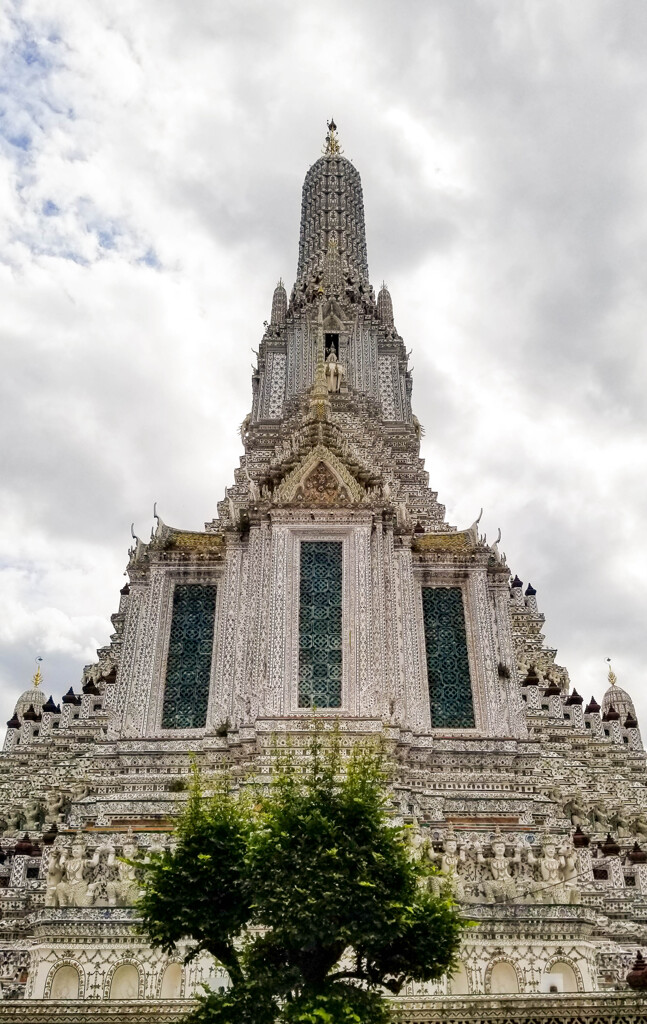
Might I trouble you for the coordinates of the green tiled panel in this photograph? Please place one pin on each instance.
(188, 666)
(448, 671)
(320, 624)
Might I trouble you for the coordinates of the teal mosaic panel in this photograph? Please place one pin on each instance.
(320, 624)
(188, 666)
(448, 670)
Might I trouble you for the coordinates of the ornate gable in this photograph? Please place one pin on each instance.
(321, 478)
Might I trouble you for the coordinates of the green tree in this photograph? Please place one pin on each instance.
(308, 896)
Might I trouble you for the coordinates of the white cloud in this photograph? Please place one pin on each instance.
(151, 160)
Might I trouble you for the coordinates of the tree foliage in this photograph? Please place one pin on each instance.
(308, 896)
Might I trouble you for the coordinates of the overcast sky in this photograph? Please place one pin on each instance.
(152, 156)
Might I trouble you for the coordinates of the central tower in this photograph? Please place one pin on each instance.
(330, 579)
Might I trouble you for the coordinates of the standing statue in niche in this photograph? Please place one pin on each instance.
(335, 372)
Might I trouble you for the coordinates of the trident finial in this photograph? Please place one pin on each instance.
(38, 675)
(332, 142)
(612, 677)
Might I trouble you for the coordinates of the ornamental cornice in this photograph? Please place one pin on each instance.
(540, 1008)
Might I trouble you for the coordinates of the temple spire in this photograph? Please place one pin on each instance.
(332, 206)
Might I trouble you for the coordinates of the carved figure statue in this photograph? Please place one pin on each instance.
(124, 889)
(417, 841)
(32, 812)
(501, 885)
(54, 878)
(620, 823)
(576, 811)
(639, 825)
(598, 816)
(570, 873)
(81, 790)
(552, 886)
(335, 372)
(103, 863)
(450, 861)
(254, 491)
(73, 890)
(54, 804)
(14, 817)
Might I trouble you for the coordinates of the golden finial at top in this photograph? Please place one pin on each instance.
(332, 146)
(38, 675)
(612, 677)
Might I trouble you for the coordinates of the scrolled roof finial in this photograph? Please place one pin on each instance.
(332, 147)
(612, 677)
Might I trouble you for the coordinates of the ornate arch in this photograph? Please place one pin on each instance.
(561, 958)
(501, 958)
(141, 985)
(468, 979)
(293, 488)
(64, 962)
(164, 968)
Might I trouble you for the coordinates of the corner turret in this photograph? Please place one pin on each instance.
(279, 305)
(385, 306)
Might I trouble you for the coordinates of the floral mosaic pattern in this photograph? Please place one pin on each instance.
(320, 624)
(448, 672)
(188, 667)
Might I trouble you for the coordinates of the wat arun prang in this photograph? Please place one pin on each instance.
(330, 580)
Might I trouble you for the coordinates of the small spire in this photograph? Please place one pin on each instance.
(612, 677)
(332, 147)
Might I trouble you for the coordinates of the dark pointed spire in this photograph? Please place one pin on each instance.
(574, 698)
(385, 306)
(332, 206)
(279, 305)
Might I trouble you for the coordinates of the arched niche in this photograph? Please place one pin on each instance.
(172, 982)
(458, 984)
(66, 983)
(560, 977)
(125, 982)
(503, 978)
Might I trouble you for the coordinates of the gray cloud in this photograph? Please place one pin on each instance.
(151, 162)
